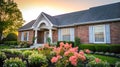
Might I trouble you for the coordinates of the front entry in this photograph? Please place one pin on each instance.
(46, 35)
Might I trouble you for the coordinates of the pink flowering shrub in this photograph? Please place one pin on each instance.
(68, 55)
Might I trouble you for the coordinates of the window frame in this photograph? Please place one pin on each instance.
(103, 32)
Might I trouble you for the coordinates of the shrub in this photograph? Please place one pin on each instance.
(2, 56)
(37, 60)
(27, 53)
(11, 43)
(24, 44)
(11, 37)
(115, 48)
(12, 51)
(117, 64)
(49, 40)
(98, 64)
(14, 62)
(87, 46)
(77, 41)
(103, 48)
(70, 42)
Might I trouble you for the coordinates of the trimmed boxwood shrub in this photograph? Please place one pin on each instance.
(115, 48)
(11, 43)
(27, 53)
(11, 37)
(102, 48)
(87, 46)
(2, 58)
(70, 42)
(14, 62)
(37, 60)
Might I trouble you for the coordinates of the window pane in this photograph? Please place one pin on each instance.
(99, 33)
(66, 34)
(25, 36)
(66, 37)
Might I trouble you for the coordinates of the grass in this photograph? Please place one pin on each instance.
(111, 60)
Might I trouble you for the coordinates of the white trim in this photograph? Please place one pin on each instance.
(47, 19)
(27, 35)
(22, 36)
(94, 34)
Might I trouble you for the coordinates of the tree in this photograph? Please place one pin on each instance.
(10, 17)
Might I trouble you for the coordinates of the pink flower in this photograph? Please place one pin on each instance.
(82, 57)
(66, 53)
(81, 52)
(73, 60)
(67, 46)
(97, 60)
(87, 51)
(58, 56)
(54, 59)
(61, 44)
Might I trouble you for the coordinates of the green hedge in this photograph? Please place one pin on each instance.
(101, 48)
(87, 46)
(70, 42)
(115, 48)
(11, 43)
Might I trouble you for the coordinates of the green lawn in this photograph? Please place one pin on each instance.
(111, 60)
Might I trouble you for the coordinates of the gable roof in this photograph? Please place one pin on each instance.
(28, 25)
(94, 14)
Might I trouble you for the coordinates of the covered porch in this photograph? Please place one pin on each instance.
(42, 33)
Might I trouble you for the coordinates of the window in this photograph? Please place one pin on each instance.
(66, 34)
(99, 33)
(25, 36)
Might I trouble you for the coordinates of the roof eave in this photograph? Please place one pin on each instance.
(25, 29)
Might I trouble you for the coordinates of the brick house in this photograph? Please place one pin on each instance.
(99, 24)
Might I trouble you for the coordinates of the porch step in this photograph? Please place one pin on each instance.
(36, 45)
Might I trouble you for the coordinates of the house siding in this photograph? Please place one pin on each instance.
(31, 35)
(82, 32)
(115, 32)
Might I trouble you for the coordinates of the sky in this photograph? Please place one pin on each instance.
(31, 9)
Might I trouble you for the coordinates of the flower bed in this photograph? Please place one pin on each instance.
(63, 56)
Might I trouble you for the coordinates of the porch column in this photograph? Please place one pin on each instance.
(35, 41)
(50, 34)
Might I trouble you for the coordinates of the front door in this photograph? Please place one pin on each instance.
(46, 35)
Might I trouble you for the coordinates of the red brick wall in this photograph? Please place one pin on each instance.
(55, 36)
(31, 35)
(82, 32)
(115, 32)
